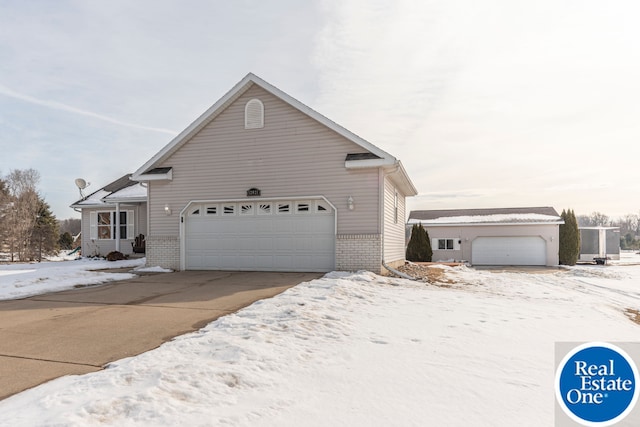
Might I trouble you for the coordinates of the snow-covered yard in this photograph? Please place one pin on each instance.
(24, 280)
(354, 350)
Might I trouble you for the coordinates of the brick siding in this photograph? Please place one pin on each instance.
(359, 252)
(163, 251)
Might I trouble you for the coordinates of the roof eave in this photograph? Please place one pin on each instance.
(471, 224)
(126, 200)
(368, 163)
(142, 177)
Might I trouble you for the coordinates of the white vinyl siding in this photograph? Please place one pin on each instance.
(91, 245)
(394, 227)
(291, 156)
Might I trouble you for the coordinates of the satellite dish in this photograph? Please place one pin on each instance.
(82, 184)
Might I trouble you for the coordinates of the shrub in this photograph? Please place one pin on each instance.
(115, 256)
(569, 249)
(419, 246)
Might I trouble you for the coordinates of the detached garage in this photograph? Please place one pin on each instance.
(505, 236)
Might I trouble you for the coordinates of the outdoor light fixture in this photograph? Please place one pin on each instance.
(350, 203)
(167, 210)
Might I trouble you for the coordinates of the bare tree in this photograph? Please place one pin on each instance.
(4, 209)
(595, 219)
(22, 211)
(630, 223)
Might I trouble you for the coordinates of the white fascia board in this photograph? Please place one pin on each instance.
(400, 177)
(473, 224)
(168, 176)
(368, 163)
(235, 92)
(126, 200)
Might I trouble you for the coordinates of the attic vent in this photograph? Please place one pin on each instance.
(254, 114)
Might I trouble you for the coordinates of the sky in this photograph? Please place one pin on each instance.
(499, 103)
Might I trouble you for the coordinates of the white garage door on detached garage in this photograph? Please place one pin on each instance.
(515, 250)
(260, 235)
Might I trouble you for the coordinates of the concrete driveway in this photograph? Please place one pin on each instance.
(80, 331)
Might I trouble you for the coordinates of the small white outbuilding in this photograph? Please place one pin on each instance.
(599, 243)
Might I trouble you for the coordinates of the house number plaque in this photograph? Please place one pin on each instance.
(252, 192)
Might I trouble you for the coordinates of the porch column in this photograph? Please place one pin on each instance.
(118, 227)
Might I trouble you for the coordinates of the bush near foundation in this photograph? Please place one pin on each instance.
(115, 256)
(419, 247)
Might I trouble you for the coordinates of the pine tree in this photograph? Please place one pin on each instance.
(45, 234)
(569, 235)
(419, 246)
(65, 241)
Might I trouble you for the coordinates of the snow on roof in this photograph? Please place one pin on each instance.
(94, 199)
(489, 219)
(122, 189)
(136, 191)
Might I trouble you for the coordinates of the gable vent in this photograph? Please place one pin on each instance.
(254, 114)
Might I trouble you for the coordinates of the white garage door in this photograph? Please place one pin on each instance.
(283, 235)
(509, 251)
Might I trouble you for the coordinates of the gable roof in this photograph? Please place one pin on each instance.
(122, 189)
(528, 215)
(378, 156)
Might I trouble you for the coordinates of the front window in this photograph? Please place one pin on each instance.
(105, 225)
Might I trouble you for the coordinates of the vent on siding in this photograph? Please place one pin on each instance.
(254, 114)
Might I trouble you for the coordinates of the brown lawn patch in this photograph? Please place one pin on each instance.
(429, 273)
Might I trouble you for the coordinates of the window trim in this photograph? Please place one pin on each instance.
(455, 243)
(129, 225)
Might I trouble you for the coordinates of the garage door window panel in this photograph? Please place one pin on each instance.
(322, 207)
(264, 209)
(303, 207)
(246, 209)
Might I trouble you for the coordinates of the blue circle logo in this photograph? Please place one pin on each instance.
(596, 384)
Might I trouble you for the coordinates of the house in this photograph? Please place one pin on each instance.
(262, 182)
(505, 236)
(599, 243)
(112, 217)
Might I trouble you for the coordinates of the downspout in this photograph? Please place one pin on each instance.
(397, 273)
(384, 264)
(118, 226)
(146, 185)
(381, 212)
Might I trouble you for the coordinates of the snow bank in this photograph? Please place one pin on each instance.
(359, 350)
(24, 280)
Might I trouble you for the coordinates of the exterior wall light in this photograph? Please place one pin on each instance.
(167, 210)
(350, 203)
